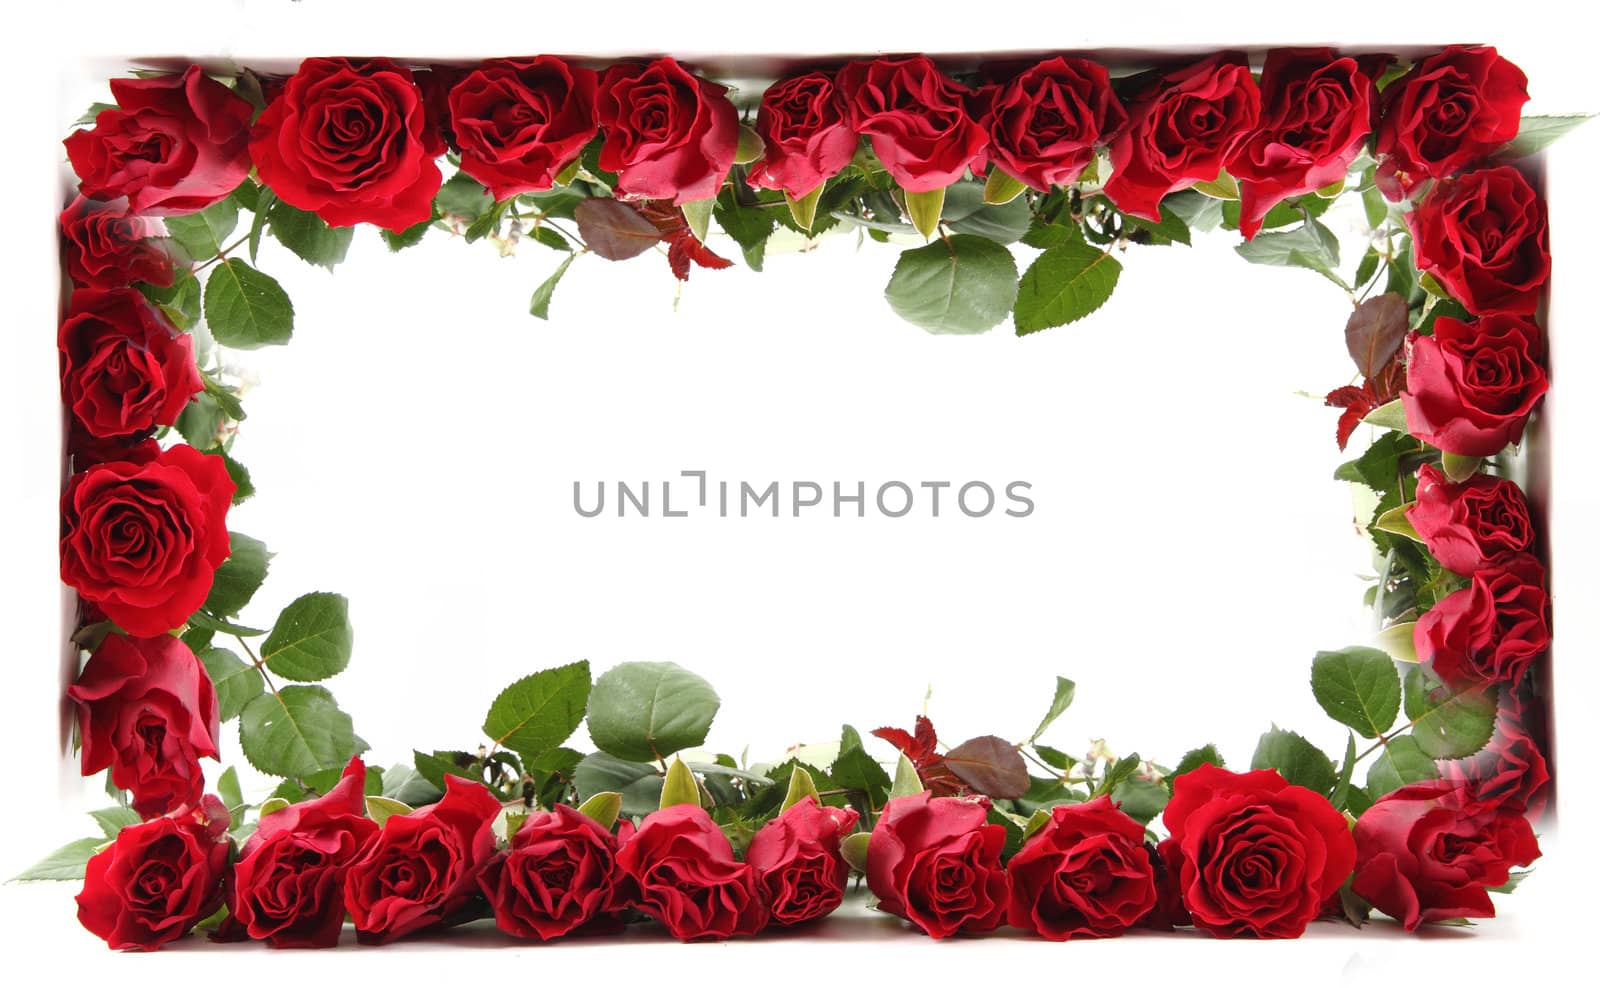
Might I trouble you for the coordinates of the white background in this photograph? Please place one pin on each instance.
(416, 444)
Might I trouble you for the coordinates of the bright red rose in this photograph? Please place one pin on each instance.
(143, 539)
(1490, 630)
(1511, 769)
(518, 122)
(679, 868)
(804, 125)
(1254, 855)
(1471, 386)
(1450, 110)
(1181, 130)
(1483, 236)
(797, 863)
(1084, 873)
(559, 876)
(1431, 851)
(1467, 524)
(105, 246)
(422, 866)
(1316, 113)
(669, 134)
(1045, 124)
(124, 368)
(173, 144)
(288, 885)
(350, 141)
(157, 879)
(921, 122)
(936, 862)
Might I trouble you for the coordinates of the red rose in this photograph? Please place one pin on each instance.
(1431, 851)
(1470, 387)
(124, 368)
(288, 885)
(157, 879)
(804, 126)
(1316, 113)
(1465, 525)
(143, 539)
(920, 123)
(679, 868)
(1045, 124)
(147, 711)
(669, 134)
(1511, 769)
(350, 142)
(1181, 130)
(559, 875)
(108, 247)
(1449, 111)
(173, 144)
(1085, 873)
(422, 866)
(1254, 855)
(936, 862)
(797, 862)
(1483, 236)
(1490, 630)
(518, 122)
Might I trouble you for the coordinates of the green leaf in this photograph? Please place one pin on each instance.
(296, 732)
(1005, 224)
(1296, 759)
(113, 818)
(925, 210)
(229, 792)
(245, 308)
(854, 851)
(538, 712)
(1064, 284)
(201, 421)
(1197, 757)
(243, 488)
(308, 236)
(381, 808)
(1399, 640)
(644, 711)
(1358, 687)
(200, 619)
(1390, 415)
(312, 638)
(801, 785)
(264, 201)
(434, 766)
(240, 575)
(750, 227)
(202, 234)
(1065, 691)
(680, 787)
(697, 215)
(1400, 763)
(1002, 187)
(1171, 230)
(539, 306)
(639, 783)
(906, 780)
(856, 769)
(1311, 246)
(603, 808)
(1445, 723)
(1119, 772)
(236, 682)
(1538, 133)
(1347, 770)
(1396, 522)
(64, 864)
(1140, 798)
(963, 284)
(404, 784)
(1457, 468)
(409, 237)
(462, 195)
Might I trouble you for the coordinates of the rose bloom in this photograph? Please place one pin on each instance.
(1466, 525)
(1490, 630)
(936, 862)
(559, 876)
(125, 369)
(423, 866)
(519, 122)
(1450, 110)
(157, 879)
(1471, 386)
(804, 126)
(288, 885)
(679, 868)
(1045, 123)
(1483, 236)
(142, 537)
(1254, 855)
(1510, 769)
(920, 122)
(147, 711)
(797, 862)
(1085, 873)
(105, 246)
(350, 141)
(173, 144)
(668, 134)
(1431, 851)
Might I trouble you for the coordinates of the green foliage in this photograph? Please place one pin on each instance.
(638, 783)
(297, 732)
(538, 712)
(202, 235)
(64, 864)
(539, 305)
(239, 577)
(1197, 757)
(246, 309)
(236, 682)
(308, 236)
(1401, 762)
(312, 638)
(1065, 691)
(1064, 284)
(1448, 723)
(1296, 759)
(1358, 687)
(1539, 132)
(1312, 246)
(963, 284)
(645, 711)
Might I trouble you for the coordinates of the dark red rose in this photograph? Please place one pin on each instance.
(1431, 851)
(1181, 130)
(797, 862)
(124, 368)
(105, 246)
(288, 885)
(1483, 237)
(559, 876)
(422, 866)
(936, 862)
(804, 125)
(1084, 873)
(350, 142)
(518, 122)
(1511, 769)
(173, 144)
(143, 540)
(679, 868)
(1166, 863)
(1254, 855)
(1471, 386)
(1451, 110)
(147, 711)
(1465, 525)
(157, 879)
(669, 134)
(435, 82)
(1316, 113)
(1490, 630)
(1045, 124)
(921, 123)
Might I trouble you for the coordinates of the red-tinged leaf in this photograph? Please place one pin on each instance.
(1375, 331)
(615, 230)
(989, 765)
(927, 738)
(684, 248)
(900, 739)
(1356, 402)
